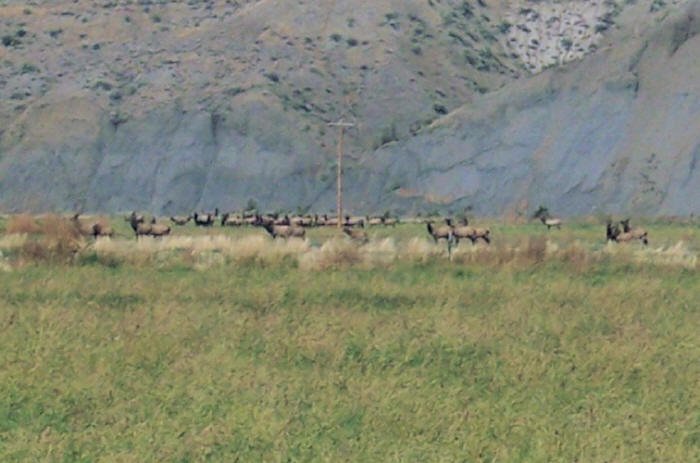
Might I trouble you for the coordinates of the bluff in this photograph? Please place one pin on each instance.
(227, 103)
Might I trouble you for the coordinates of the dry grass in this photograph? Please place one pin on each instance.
(49, 239)
(55, 238)
(22, 224)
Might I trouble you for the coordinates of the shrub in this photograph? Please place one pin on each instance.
(22, 224)
(273, 77)
(10, 41)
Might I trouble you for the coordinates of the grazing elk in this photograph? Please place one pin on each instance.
(636, 232)
(614, 234)
(180, 219)
(284, 231)
(356, 234)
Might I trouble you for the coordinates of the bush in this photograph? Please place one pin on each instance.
(10, 41)
(28, 68)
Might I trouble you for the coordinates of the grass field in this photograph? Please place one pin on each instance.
(543, 347)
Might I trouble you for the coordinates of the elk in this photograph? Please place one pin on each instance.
(284, 231)
(438, 233)
(354, 221)
(330, 221)
(302, 221)
(551, 222)
(135, 220)
(638, 233)
(356, 235)
(472, 233)
(390, 221)
(546, 218)
(180, 219)
(94, 229)
(375, 220)
(231, 220)
(613, 233)
(207, 219)
(85, 229)
(100, 229)
(158, 229)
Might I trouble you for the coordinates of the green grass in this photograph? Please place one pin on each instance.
(437, 361)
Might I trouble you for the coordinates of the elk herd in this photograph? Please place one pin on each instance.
(286, 226)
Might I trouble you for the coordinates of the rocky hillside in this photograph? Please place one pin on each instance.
(497, 106)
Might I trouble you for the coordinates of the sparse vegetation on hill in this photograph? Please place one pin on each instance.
(219, 98)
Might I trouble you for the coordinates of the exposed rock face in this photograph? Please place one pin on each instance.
(616, 132)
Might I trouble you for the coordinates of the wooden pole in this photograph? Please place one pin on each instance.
(339, 171)
(339, 193)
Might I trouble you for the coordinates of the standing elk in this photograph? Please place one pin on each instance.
(636, 232)
(441, 232)
(206, 219)
(284, 231)
(546, 218)
(472, 233)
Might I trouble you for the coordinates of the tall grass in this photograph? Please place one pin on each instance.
(414, 360)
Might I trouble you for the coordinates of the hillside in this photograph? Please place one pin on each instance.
(172, 106)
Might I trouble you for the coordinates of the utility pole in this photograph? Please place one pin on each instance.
(339, 174)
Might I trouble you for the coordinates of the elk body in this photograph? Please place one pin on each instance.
(551, 222)
(206, 219)
(440, 232)
(614, 234)
(180, 219)
(356, 234)
(636, 232)
(92, 228)
(284, 231)
(472, 233)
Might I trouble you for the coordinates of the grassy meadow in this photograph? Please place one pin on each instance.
(219, 345)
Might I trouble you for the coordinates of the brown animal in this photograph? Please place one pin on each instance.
(284, 231)
(375, 221)
(330, 221)
(142, 229)
(391, 221)
(614, 234)
(441, 232)
(158, 229)
(181, 219)
(93, 228)
(551, 222)
(638, 233)
(100, 229)
(231, 220)
(301, 221)
(84, 228)
(472, 233)
(135, 220)
(356, 235)
(353, 222)
(207, 219)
